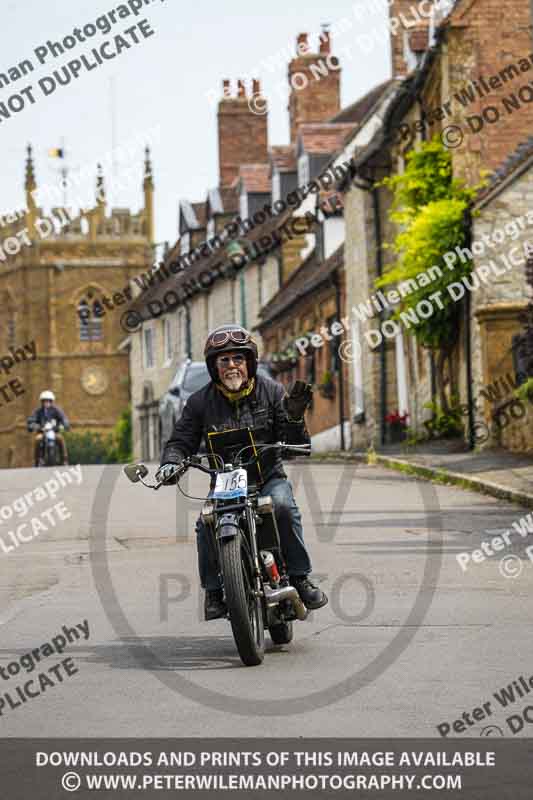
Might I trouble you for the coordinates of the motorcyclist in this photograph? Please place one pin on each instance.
(46, 413)
(237, 397)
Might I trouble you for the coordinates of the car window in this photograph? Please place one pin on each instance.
(178, 377)
(195, 378)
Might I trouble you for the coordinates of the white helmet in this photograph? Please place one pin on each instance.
(47, 395)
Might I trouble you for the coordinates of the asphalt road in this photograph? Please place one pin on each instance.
(409, 641)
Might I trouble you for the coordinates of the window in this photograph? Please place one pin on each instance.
(211, 228)
(185, 243)
(167, 340)
(148, 348)
(11, 332)
(276, 187)
(90, 321)
(196, 377)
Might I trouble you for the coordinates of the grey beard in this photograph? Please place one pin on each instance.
(234, 383)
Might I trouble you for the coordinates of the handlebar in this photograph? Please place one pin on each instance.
(138, 472)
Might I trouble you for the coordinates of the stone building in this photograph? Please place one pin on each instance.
(503, 232)
(234, 278)
(60, 291)
(462, 74)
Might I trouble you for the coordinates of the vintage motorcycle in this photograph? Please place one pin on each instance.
(245, 536)
(49, 452)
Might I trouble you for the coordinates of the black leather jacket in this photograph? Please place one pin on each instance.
(208, 410)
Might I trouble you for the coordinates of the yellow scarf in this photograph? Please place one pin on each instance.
(234, 397)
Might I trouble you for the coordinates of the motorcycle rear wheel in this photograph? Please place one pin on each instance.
(245, 610)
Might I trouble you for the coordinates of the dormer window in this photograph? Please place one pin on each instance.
(185, 243)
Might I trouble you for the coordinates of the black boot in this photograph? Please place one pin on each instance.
(311, 595)
(214, 605)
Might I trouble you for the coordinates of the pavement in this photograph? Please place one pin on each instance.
(409, 641)
(496, 472)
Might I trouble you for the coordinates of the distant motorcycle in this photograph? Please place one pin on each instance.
(245, 537)
(49, 451)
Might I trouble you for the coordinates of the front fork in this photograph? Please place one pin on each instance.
(250, 520)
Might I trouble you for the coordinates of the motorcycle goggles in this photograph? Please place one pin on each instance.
(221, 338)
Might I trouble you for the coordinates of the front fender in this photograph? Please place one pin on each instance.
(228, 526)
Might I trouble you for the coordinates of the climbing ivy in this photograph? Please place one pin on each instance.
(431, 208)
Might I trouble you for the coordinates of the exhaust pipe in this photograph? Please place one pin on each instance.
(275, 596)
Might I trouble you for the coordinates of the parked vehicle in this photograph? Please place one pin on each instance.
(189, 378)
(245, 538)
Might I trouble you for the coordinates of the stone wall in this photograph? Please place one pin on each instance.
(496, 304)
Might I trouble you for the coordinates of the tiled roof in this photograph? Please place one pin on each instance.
(255, 177)
(200, 213)
(358, 110)
(308, 277)
(230, 200)
(523, 152)
(283, 157)
(222, 201)
(208, 262)
(323, 138)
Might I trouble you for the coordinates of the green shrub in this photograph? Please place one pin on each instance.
(525, 391)
(119, 443)
(445, 424)
(87, 447)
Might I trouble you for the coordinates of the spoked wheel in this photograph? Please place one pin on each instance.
(244, 608)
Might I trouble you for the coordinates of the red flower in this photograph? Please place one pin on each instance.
(396, 418)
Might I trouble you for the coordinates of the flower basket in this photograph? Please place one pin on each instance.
(397, 427)
(283, 361)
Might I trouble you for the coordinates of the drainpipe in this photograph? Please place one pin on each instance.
(383, 345)
(188, 337)
(468, 348)
(336, 283)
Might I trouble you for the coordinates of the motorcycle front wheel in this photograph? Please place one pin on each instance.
(51, 458)
(244, 608)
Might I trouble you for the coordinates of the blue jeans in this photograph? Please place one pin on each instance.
(289, 522)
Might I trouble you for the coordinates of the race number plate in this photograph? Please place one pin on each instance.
(231, 484)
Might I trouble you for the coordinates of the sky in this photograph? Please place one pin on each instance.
(161, 88)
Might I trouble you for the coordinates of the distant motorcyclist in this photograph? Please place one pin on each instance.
(239, 398)
(48, 412)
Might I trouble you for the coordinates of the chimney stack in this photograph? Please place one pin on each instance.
(314, 81)
(242, 131)
(302, 44)
(325, 41)
(409, 28)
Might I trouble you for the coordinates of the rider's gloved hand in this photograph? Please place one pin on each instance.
(297, 399)
(165, 473)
